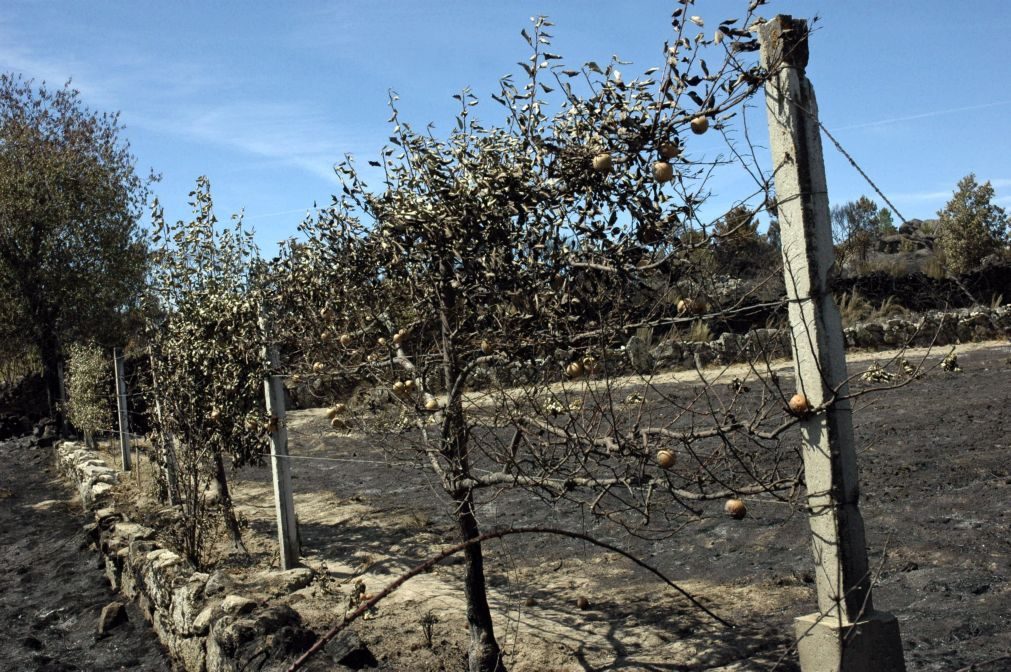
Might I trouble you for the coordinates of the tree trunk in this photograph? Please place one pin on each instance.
(484, 654)
(227, 510)
(49, 351)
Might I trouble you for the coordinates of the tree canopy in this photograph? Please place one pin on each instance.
(72, 255)
(517, 262)
(207, 369)
(971, 225)
(857, 225)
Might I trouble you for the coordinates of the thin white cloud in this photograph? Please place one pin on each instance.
(942, 196)
(278, 132)
(19, 59)
(178, 98)
(920, 196)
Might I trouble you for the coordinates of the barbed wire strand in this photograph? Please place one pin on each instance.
(848, 156)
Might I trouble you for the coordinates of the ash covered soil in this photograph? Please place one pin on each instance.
(935, 470)
(52, 589)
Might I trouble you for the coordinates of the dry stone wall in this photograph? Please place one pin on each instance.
(937, 328)
(207, 622)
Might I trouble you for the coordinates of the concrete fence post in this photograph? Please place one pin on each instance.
(287, 525)
(846, 634)
(124, 421)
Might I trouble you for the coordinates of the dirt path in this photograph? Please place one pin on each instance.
(52, 590)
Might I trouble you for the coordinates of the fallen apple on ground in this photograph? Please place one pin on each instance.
(735, 508)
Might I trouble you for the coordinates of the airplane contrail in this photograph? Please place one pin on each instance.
(923, 115)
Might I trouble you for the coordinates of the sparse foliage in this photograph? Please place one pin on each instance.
(857, 225)
(472, 313)
(485, 289)
(206, 347)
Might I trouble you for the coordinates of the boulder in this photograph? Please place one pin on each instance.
(272, 634)
(276, 584)
(639, 356)
(219, 582)
(237, 605)
(113, 614)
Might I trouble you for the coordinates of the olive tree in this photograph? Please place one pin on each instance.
(488, 286)
(206, 354)
(72, 255)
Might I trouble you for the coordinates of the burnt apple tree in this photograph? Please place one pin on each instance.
(487, 286)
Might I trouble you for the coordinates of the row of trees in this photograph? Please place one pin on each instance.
(488, 287)
(507, 260)
(73, 256)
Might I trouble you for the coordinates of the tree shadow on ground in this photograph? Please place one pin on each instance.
(688, 634)
(670, 634)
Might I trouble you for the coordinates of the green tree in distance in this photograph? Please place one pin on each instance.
(858, 225)
(885, 224)
(774, 235)
(72, 257)
(970, 225)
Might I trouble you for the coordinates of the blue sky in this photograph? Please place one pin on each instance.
(264, 97)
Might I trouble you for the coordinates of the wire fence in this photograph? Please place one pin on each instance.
(398, 470)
